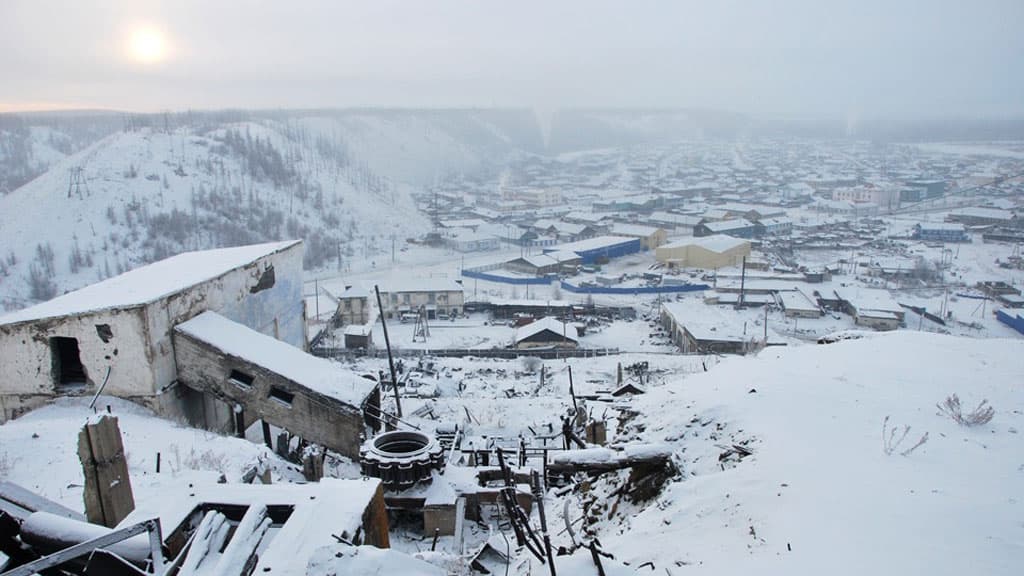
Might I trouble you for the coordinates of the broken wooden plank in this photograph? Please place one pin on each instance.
(209, 536)
(240, 555)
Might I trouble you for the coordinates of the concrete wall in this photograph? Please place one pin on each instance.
(883, 324)
(139, 350)
(354, 310)
(316, 418)
(275, 310)
(694, 256)
(26, 361)
(654, 240)
(446, 301)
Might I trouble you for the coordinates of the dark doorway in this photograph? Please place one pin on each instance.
(67, 364)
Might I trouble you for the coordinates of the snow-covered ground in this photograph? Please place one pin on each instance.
(819, 493)
(39, 452)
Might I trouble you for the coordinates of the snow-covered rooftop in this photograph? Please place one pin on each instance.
(726, 225)
(149, 283)
(548, 323)
(592, 244)
(317, 374)
(537, 260)
(714, 243)
(869, 299)
(675, 219)
(941, 226)
(635, 230)
(977, 212)
(797, 300)
(776, 221)
(399, 284)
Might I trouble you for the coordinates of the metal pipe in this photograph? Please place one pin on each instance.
(81, 549)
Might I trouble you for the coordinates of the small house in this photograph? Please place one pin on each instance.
(738, 228)
(547, 333)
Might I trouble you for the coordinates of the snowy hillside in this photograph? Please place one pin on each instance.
(785, 467)
(30, 144)
(423, 147)
(146, 194)
(90, 196)
(820, 493)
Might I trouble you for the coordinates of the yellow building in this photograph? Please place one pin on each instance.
(705, 252)
(650, 236)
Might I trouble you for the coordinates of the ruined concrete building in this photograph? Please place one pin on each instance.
(161, 335)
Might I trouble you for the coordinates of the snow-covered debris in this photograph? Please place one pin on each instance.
(367, 561)
(40, 449)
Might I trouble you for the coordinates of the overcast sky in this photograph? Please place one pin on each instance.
(780, 57)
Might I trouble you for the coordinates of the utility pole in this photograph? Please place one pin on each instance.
(743, 279)
(387, 343)
(766, 325)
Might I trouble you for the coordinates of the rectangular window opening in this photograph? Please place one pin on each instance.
(68, 371)
(283, 396)
(241, 379)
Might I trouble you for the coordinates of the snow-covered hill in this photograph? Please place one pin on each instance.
(145, 194)
(113, 192)
(820, 493)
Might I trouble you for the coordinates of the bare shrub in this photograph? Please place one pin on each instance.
(206, 460)
(5, 465)
(531, 364)
(892, 439)
(982, 414)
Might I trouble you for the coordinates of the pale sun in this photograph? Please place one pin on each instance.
(147, 45)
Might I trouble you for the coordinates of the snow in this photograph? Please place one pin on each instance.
(634, 230)
(149, 283)
(585, 455)
(367, 561)
(331, 506)
(727, 225)
(714, 243)
(797, 300)
(597, 243)
(323, 376)
(136, 177)
(550, 324)
(819, 494)
(716, 323)
(52, 527)
(40, 452)
(864, 299)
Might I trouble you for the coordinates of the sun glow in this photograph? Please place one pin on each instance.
(147, 45)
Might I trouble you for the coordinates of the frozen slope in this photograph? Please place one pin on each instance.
(148, 194)
(819, 495)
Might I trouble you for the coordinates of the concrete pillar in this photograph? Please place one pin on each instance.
(108, 491)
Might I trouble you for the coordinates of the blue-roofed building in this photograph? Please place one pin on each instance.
(940, 232)
(600, 249)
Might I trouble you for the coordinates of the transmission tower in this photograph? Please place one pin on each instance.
(76, 182)
(421, 329)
